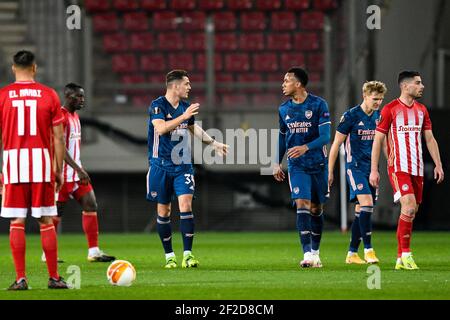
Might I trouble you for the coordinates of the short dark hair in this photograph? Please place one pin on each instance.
(175, 75)
(300, 74)
(407, 75)
(24, 59)
(71, 87)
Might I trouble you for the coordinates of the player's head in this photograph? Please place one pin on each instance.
(74, 96)
(373, 94)
(410, 83)
(24, 63)
(177, 82)
(295, 79)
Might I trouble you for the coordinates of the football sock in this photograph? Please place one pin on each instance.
(316, 230)
(365, 223)
(356, 234)
(304, 228)
(187, 229)
(50, 247)
(404, 232)
(165, 233)
(90, 228)
(17, 243)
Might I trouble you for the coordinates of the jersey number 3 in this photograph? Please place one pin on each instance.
(20, 105)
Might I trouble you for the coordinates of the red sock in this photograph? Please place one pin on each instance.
(399, 243)
(90, 228)
(50, 247)
(56, 221)
(17, 242)
(404, 232)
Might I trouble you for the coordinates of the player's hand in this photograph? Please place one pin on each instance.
(374, 179)
(439, 174)
(221, 148)
(59, 181)
(278, 173)
(84, 177)
(297, 152)
(330, 179)
(192, 110)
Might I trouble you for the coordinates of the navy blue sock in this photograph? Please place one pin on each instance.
(165, 233)
(304, 228)
(356, 234)
(316, 230)
(187, 229)
(365, 224)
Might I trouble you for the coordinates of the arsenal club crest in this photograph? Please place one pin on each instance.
(154, 194)
(308, 114)
(296, 190)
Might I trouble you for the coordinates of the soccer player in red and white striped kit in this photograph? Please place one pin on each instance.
(404, 121)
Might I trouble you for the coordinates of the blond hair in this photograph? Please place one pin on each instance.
(374, 86)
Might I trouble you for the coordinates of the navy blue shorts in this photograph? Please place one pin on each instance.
(313, 187)
(358, 183)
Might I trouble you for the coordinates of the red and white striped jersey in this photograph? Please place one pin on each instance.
(28, 112)
(404, 126)
(72, 136)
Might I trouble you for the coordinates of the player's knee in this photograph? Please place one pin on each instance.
(90, 206)
(186, 207)
(164, 212)
(306, 204)
(409, 211)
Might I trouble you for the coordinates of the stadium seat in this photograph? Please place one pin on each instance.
(237, 62)
(201, 62)
(279, 41)
(234, 101)
(183, 61)
(306, 41)
(253, 21)
(315, 62)
(251, 41)
(156, 78)
(224, 21)
(268, 4)
(265, 62)
(266, 100)
(182, 4)
(123, 63)
(133, 79)
(315, 77)
(115, 42)
(126, 5)
(249, 78)
(211, 4)
(153, 5)
(288, 60)
(240, 4)
(142, 41)
(194, 42)
(135, 21)
(197, 77)
(311, 20)
(222, 78)
(164, 20)
(96, 5)
(105, 22)
(226, 42)
(324, 5)
(153, 63)
(276, 77)
(170, 41)
(283, 21)
(194, 20)
(297, 4)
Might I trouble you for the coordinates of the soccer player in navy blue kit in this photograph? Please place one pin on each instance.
(304, 132)
(357, 128)
(170, 173)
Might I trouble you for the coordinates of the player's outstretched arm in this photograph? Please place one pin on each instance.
(82, 174)
(199, 133)
(433, 148)
(374, 178)
(60, 147)
(163, 127)
(339, 138)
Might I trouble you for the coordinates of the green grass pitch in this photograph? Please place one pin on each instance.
(239, 265)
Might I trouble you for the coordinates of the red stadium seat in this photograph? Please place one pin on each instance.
(201, 62)
(306, 41)
(197, 77)
(183, 61)
(153, 5)
(135, 21)
(268, 4)
(211, 4)
(279, 41)
(133, 79)
(153, 63)
(222, 78)
(142, 41)
(122, 63)
(237, 62)
(289, 60)
(284, 21)
(195, 41)
(194, 21)
(126, 5)
(240, 4)
(165, 20)
(297, 4)
(265, 62)
(234, 101)
(315, 62)
(105, 22)
(251, 41)
(315, 77)
(250, 78)
(312, 20)
(276, 77)
(156, 78)
(224, 21)
(96, 5)
(170, 41)
(266, 100)
(226, 42)
(182, 4)
(115, 42)
(253, 21)
(325, 5)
